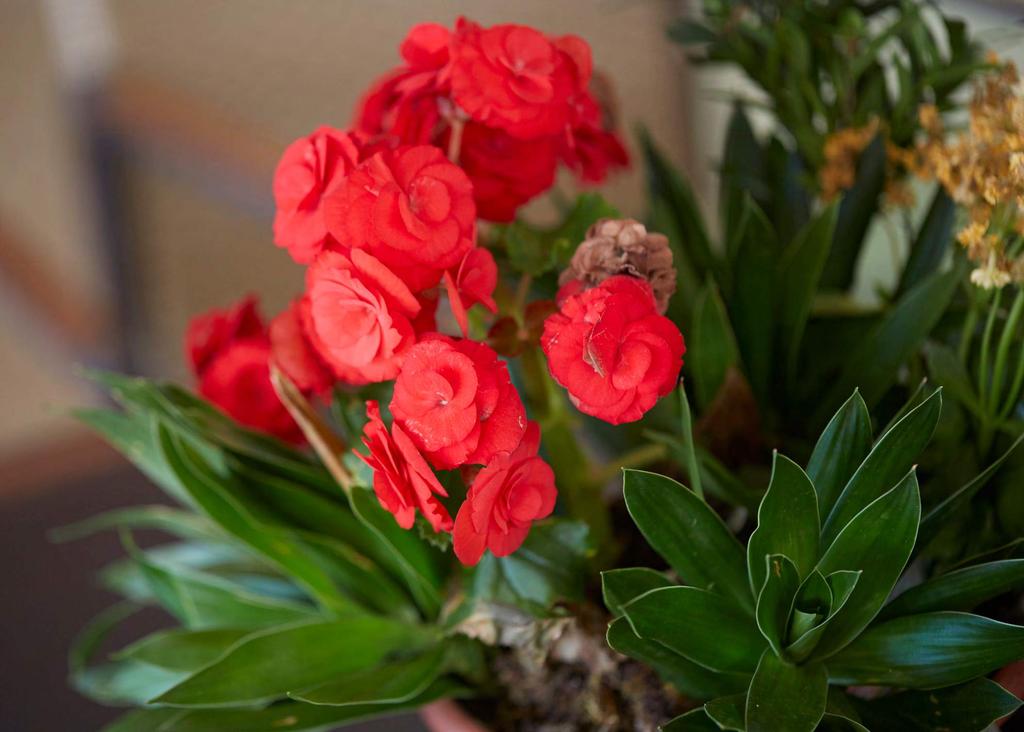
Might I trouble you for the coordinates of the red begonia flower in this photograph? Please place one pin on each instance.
(211, 332)
(411, 208)
(592, 148)
(473, 282)
(360, 316)
(402, 479)
(457, 402)
(293, 352)
(511, 492)
(513, 77)
(506, 171)
(612, 351)
(311, 169)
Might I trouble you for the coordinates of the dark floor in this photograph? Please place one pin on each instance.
(49, 593)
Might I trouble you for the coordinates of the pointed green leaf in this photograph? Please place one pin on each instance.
(620, 586)
(877, 542)
(713, 349)
(390, 683)
(889, 460)
(841, 449)
(787, 522)
(775, 603)
(691, 537)
(704, 627)
(970, 707)
(268, 664)
(786, 697)
(932, 242)
(962, 589)
(179, 649)
(728, 711)
(928, 651)
(688, 677)
(840, 586)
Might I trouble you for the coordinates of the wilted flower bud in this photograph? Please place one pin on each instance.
(624, 247)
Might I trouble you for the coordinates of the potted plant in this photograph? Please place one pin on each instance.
(407, 491)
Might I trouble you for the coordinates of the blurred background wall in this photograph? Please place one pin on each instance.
(137, 144)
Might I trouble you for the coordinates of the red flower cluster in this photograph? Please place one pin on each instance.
(611, 350)
(230, 352)
(512, 100)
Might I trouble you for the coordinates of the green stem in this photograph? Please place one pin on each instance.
(984, 377)
(1003, 351)
(1014, 396)
(970, 323)
(692, 466)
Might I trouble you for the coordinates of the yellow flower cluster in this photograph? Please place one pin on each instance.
(982, 169)
(842, 151)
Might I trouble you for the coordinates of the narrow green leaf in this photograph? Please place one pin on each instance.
(875, 362)
(928, 651)
(932, 242)
(947, 371)
(840, 586)
(877, 542)
(786, 697)
(970, 707)
(688, 677)
(894, 453)
(620, 586)
(728, 711)
(856, 210)
(801, 269)
(842, 447)
(691, 537)
(267, 665)
(962, 589)
(695, 720)
(179, 649)
(183, 524)
(713, 349)
(390, 683)
(775, 603)
(704, 627)
(787, 522)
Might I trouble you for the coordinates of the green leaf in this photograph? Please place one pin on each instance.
(786, 697)
(691, 537)
(840, 586)
(932, 242)
(688, 677)
(841, 448)
(875, 362)
(164, 518)
(928, 651)
(268, 664)
(179, 649)
(549, 567)
(877, 542)
(728, 711)
(390, 683)
(753, 299)
(961, 589)
(970, 707)
(936, 518)
(801, 269)
(947, 371)
(775, 603)
(741, 172)
(704, 627)
(620, 586)
(713, 349)
(894, 453)
(787, 522)
(695, 720)
(856, 210)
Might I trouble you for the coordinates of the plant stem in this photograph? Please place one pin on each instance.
(455, 139)
(1003, 351)
(984, 377)
(967, 334)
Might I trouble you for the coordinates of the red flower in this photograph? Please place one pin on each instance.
(294, 353)
(411, 208)
(513, 77)
(473, 282)
(311, 168)
(402, 479)
(359, 316)
(506, 172)
(507, 496)
(210, 333)
(612, 351)
(457, 402)
(230, 355)
(592, 148)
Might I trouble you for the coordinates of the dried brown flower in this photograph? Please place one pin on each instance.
(624, 246)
